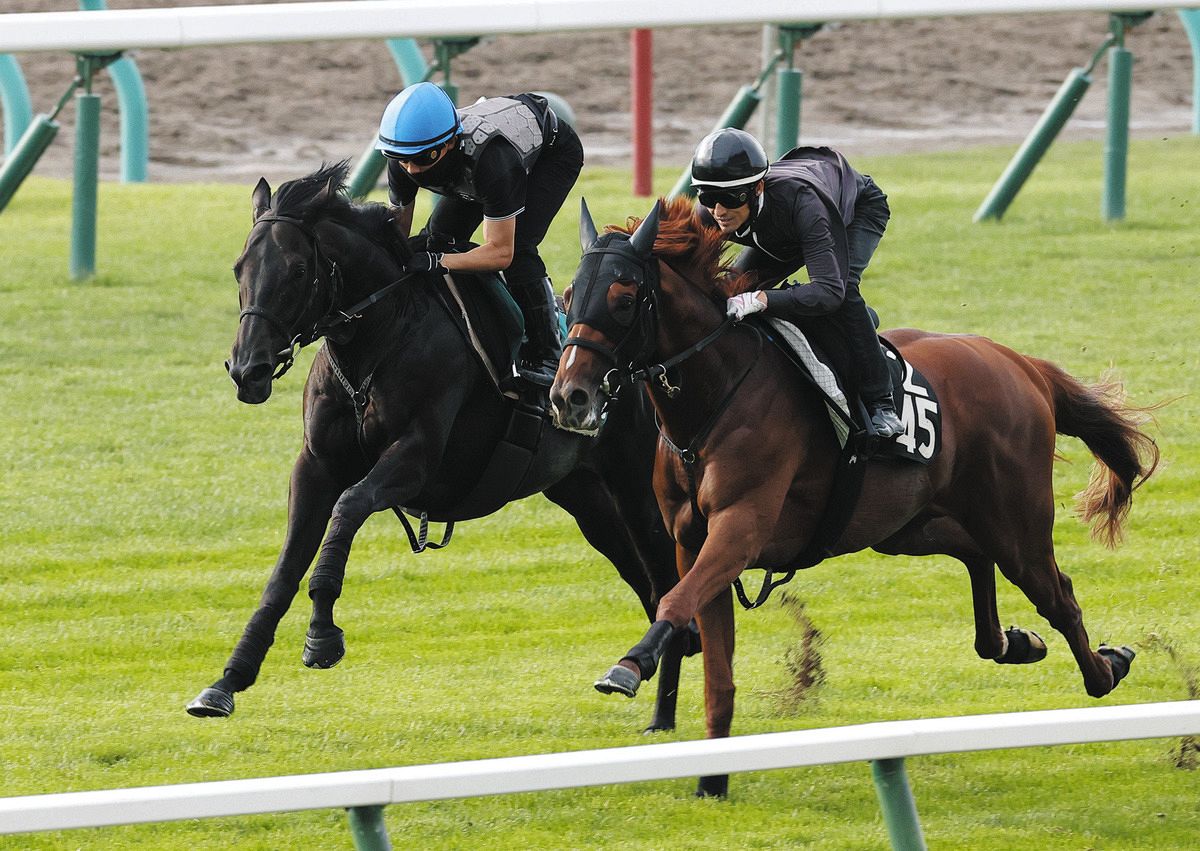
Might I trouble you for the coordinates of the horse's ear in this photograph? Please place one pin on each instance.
(261, 197)
(643, 238)
(587, 227)
(327, 192)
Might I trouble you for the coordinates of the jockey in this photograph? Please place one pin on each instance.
(507, 162)
(809, 208)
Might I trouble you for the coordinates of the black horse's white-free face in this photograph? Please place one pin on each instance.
(276, 276)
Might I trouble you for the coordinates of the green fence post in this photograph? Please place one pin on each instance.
(1191, 24)
(25, 154)
(736, 115)
(896, 802)
(14, 100)
(1116, 143)
(83, 199)
(368, 828)
(1035, 145)
(131, 104)
(789, 84)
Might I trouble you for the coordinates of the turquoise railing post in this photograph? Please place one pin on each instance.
(131, 104)
(14, 100)
(896, 802)
(1116, 143)
(83, 198)
(1191, 24)
(789, 87)
(368, 829)
(413, 68)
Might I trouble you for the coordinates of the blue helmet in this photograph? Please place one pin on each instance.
(419, 118)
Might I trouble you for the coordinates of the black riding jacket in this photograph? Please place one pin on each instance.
(800, 220)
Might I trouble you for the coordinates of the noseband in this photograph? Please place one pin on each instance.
(299, 339)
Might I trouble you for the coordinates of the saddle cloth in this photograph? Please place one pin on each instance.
(915, 400)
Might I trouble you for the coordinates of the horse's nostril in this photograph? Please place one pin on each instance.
(579, 398)
(249, 375)
(227, 366)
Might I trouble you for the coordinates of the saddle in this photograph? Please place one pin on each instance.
(492, 328)
(919, 411)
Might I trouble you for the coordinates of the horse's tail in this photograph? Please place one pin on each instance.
(1125, 455)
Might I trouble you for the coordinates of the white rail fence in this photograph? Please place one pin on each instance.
(126, 29)
(877, 742)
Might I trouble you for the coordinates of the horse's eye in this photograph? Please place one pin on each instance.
(299, 272)
(625, 302)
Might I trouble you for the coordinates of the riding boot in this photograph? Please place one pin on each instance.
(875, 378)
(884, 418)
(539, 356)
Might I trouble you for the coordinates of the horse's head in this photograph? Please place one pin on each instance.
(610, 315)
(286, 284)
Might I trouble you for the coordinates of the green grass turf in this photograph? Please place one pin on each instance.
(142, 507)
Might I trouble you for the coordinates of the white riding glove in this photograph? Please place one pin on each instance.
(744, 304)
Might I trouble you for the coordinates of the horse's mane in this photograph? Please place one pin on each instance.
(302, 199)
(693, 248)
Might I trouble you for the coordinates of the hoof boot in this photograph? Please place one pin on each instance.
(619, 680)
(211, 703)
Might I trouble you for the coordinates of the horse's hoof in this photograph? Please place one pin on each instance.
(619, 680)
(658, 727)
(211, 703)
(1024, 647)
(1120, 658)
(713, 786)
(324, 651)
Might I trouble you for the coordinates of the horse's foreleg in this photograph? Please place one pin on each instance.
(310, 501)
(716, 636)
(398, 475)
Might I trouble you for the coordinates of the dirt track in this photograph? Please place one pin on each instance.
(234, 113)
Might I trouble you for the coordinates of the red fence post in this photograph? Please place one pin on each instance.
(641, 85)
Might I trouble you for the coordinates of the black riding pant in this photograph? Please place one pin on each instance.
(871, 214)
(550, 179)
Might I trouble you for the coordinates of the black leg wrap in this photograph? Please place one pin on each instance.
(1024, 647)
(646, 653)
(1120, 658)
(327, 582)
(713, 786)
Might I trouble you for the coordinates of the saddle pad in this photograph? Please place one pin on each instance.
(489, 319)
(916, 403)
(824, 377)
(919, 411)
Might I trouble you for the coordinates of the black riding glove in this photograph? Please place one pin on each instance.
(425, 261)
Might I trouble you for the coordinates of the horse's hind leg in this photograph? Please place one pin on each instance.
(1024, 552)
(946, 536)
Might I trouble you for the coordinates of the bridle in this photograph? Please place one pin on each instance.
(330, 316)
(611, 258)
(298, 339)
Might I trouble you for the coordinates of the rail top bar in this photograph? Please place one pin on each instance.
(864, 742)
(194, 26)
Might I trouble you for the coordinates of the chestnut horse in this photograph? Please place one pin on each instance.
(763, 454)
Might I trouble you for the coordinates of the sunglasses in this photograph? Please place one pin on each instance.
(730, 199)
(422, 158)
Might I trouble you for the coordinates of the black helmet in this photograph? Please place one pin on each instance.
(728, 158)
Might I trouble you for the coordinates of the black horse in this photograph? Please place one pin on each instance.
(399, 412)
